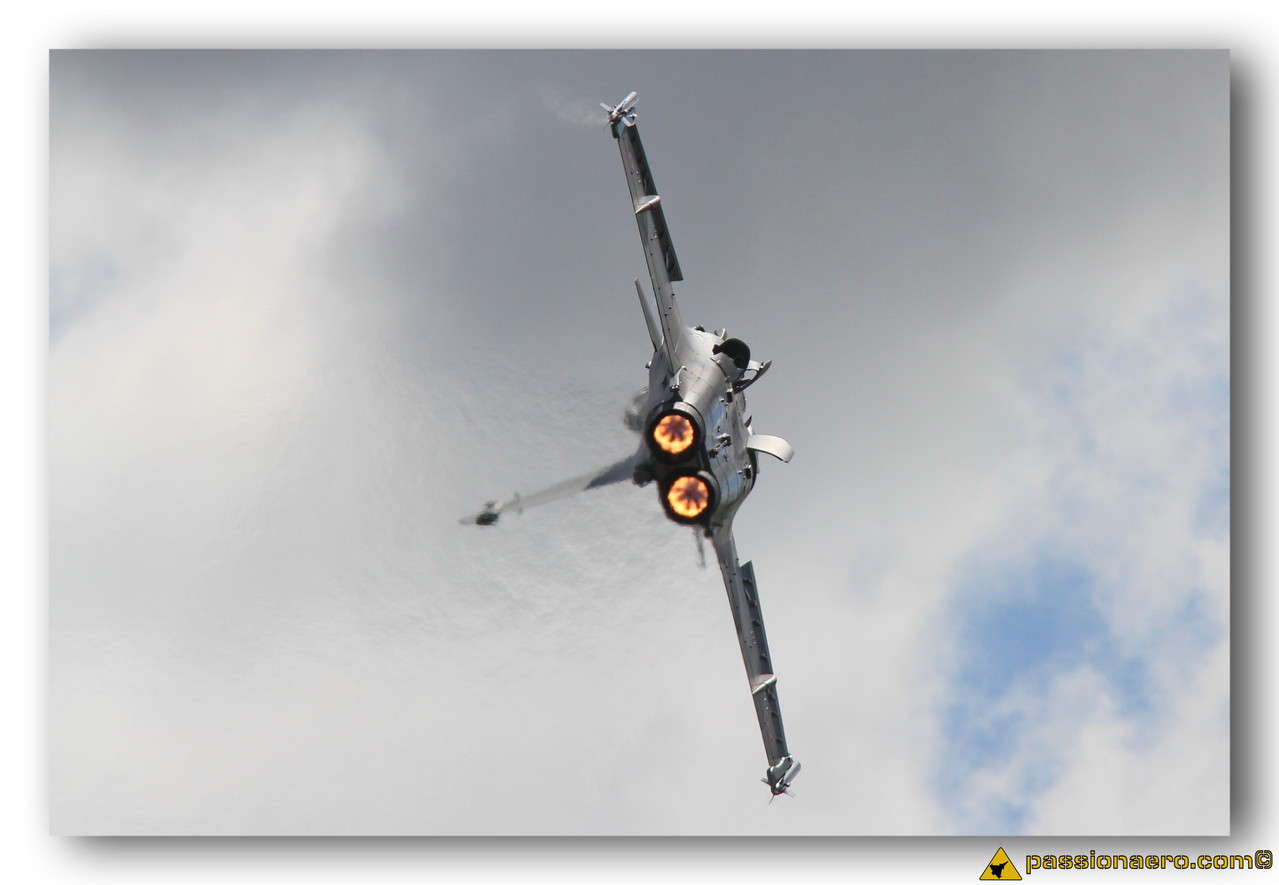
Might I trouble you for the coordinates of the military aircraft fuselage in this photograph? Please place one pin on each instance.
(696, 439)
(696, 430)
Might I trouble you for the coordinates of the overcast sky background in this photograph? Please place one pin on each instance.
(308, 308)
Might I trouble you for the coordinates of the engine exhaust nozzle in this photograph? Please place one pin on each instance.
(688, 497)
(674, 434)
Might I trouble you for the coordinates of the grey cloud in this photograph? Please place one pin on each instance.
(309, 308)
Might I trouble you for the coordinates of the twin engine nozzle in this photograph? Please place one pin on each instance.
(675, 433)
(688, 497)
(674, 436)
(688, 493)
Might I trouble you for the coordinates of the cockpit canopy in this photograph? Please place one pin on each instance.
(736, 350)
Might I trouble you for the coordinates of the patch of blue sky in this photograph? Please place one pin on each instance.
(1191, 632)
(1206, 403)
(1212, 513)
(1033, 618)
(1020, 625)
(1199, 398)
(1022, 619)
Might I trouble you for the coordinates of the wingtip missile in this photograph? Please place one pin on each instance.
(488, 516)
(622, 108)
(696, 439)
(779, 777)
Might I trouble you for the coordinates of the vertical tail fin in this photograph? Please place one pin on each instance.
(654, 332)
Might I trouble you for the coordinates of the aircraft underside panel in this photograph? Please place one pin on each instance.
(659, 251)
(639, 178)
(697, 445)
(743, 600)
(769, 713)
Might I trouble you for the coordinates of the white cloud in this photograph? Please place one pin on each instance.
(1121, 471)
(181, 389)
(292, 344)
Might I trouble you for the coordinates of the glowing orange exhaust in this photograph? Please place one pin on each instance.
(688, 497)
(673, 434)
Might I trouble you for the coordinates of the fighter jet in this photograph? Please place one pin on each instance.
(696, 440)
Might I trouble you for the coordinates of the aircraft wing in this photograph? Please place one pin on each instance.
(659, 252)
(743, 600)
(613, 473)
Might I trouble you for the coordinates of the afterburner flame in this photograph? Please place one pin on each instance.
(673, 434)
(688, 496)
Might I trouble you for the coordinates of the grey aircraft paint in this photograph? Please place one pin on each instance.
(707, 467)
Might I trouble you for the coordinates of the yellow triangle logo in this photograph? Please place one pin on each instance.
(1000, 869)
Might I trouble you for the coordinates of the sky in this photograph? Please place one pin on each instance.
(307, 309)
